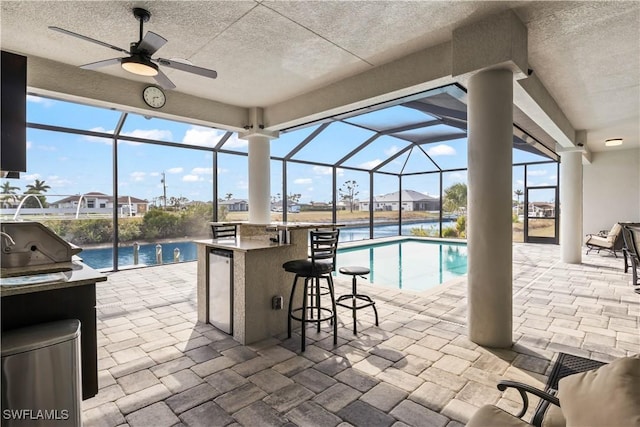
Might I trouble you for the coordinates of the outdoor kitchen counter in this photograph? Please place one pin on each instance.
(16, 281)
(56, 296)
(258, 276)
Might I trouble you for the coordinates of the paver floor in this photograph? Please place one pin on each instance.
(159, 367)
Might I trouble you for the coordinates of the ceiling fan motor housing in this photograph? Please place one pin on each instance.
(141, 14)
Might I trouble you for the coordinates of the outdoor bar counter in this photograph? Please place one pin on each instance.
(258, 276)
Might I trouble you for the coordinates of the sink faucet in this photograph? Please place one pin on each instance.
(7, 241)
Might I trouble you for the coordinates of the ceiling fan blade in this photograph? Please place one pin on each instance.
(164, 81)
(99, 64)
(89, 39)
(151, 43)
(205, 72)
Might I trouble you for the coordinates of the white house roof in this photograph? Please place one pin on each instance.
(407, 196)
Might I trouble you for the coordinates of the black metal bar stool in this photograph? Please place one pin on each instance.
(354, 296)
(319, 266)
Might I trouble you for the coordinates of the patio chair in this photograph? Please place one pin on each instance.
(611, 241)
(630, 250)
(604, 396)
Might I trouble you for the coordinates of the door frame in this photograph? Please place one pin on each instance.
(537, 239)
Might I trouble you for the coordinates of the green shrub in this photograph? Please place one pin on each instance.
(431, 231)
(195, 219)
(449, 232)
(129, 229)
(160, 224)
(461, 225)
(90, 231)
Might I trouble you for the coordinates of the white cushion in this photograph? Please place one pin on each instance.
(607, 396)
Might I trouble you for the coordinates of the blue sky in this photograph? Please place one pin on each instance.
(76, 164)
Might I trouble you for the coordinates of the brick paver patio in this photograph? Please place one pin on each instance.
(159, 367)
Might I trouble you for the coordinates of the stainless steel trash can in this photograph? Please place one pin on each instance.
(41, 375)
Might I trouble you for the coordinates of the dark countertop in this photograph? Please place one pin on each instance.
(77, 274)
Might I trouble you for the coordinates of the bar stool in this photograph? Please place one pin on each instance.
(354, 295)
(224, 231)
(319, 266)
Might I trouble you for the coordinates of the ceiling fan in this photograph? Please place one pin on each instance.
(139, 60)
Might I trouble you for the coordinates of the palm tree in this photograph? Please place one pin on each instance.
(518, 193)
(229, 196)
(8, 192)
(455, 197)
(38, 187)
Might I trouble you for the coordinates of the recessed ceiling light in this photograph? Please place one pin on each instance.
(613, 142)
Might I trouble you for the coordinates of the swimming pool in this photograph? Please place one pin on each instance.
(412, 264)
(103, 257)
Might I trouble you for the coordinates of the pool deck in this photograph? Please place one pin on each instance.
(159, 367)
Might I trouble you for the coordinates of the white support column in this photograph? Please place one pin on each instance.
(259, 179)
(571, 206)
(259, 167)
(489, 230)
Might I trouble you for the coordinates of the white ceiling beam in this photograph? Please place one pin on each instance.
(530, 96)
(67, 82)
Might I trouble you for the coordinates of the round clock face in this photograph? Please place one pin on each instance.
(154, 97)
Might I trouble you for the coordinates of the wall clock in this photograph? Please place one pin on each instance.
(154, 97)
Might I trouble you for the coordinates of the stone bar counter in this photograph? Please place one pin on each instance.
(258, 275)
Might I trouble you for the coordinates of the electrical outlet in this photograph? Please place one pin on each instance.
(276, 302)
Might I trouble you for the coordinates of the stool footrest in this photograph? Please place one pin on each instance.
(312, 310)
(369, 301)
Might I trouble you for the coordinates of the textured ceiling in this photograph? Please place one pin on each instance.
(587, 54)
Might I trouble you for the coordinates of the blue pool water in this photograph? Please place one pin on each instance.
(103, 257)
(349, 234)
(412, 264)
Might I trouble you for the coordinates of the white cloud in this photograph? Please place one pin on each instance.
(191, 178)
(201, 136)
(31, 177)
(175, 170)
(99, 129)
(391, 150)
(302, 181)
(138, 176)
(519, 182)
(242, 184)
(322, 170)
(370, 164)
(309, 189)
(538, 172)
(57, 181)
(222, 170)
(441, 150)
(158, 134)
(234, 142)
(154, 174)
(202, 171)
(38, 100)
(29, 145)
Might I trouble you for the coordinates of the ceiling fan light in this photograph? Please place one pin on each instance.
(613, 142)
(139, 66)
